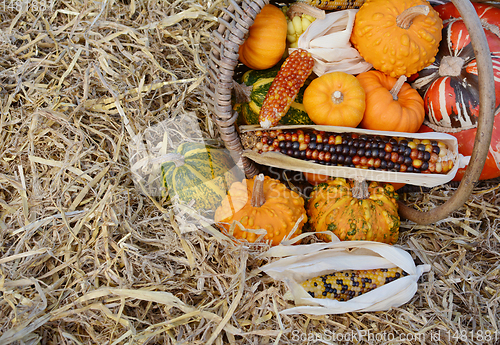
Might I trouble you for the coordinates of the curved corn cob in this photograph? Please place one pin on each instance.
(330, 5)
(345, 285)
(354, 150)
(285, 87)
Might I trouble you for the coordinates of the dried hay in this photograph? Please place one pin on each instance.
(87, 258)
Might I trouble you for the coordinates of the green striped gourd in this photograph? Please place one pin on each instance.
(200, 172)
(253, 90)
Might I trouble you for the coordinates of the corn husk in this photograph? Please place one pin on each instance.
(299, 263)
(328, 41)
(279, 160)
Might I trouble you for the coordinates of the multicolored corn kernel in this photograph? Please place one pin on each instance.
(345, 285)
(331, 5)
(354, 150)
(298, 17)
(285, 87)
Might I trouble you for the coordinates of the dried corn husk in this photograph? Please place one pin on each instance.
(299, 263)
(328, 41)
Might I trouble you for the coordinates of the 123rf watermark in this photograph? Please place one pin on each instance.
(369, 336)
(33, 6)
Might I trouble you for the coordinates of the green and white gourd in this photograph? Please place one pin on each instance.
(200, 172)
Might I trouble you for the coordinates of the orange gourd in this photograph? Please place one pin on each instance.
(262, 203)
(335, 99)
(391, 104)
(266, 41)
(398, 37)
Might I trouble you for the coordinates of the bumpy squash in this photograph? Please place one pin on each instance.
(450, 86)
(355, 212)
(252, 91)
(335, 99)
(391, 104)
(266, 41)
(262, 203)
(200, 172)
(396, 36)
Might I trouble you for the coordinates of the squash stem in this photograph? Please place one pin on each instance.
(360, 189)
(298, 9)
(451, 66)
(397, 87)
(258, 198)
(337, 97)
(405, 19)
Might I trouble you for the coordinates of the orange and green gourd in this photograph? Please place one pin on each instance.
(355, 210)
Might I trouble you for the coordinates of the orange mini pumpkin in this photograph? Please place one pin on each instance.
(266, 41)
(262, 203)
(391, 104)
(335, 99)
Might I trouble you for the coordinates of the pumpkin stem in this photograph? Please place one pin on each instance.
(242, 92)
(258, 198)
(397, 87)
(451, 66)
(360, 188)
(337, 97)
(405, 19)
(298, 9)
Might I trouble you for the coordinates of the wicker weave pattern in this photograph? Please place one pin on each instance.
(233, 28)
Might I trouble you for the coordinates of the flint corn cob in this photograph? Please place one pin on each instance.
(330, 5)
(345, 285)
(354, 150)
(285, 87)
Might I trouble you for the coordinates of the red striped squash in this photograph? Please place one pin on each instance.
(449, 86)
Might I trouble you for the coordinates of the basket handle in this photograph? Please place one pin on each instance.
(484, 127)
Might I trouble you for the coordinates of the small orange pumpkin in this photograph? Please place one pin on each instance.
(335, 99)
(391, 104)
(266, 41)
(262, 203)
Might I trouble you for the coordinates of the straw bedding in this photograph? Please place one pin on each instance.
(87, 257)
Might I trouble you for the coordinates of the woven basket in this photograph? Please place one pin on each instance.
(234, 22)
